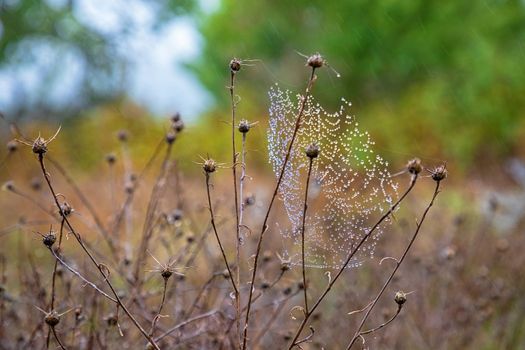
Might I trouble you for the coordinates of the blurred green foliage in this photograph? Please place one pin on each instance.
(430, 78)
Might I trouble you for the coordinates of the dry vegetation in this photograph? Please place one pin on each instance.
(142, 256)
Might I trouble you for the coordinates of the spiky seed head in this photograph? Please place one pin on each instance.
(111, 158)
(400, 298)
(12, 146)
(66, 209)
(166, 273)
(226, 274)
(170, 137)
(209, 166)
(52, 318)
(244, 126)
(39, 146)
(235, 65)
(414, 166)
(315, 61)
(49, 239)
(312, 150)
(285, 266)
(439, 173)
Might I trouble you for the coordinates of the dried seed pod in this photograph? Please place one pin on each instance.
(235, 65)
(12, 146)
(315, 61)
(166, 273)
(65, 209)
(122, 135)
(52, 318)
(170, 137)
(312, 150)
(49, 239)
(39, 146)
(176, 117)
(244, 126)
(209, 166)
(414, 166)
(111, 158)
(400, 298)
(439, 173)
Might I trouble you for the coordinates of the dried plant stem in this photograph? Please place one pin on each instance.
(305, 208)
(237, 219)
(212, 218)
(87, 204)
(101, 268)
(53, 278)
(150, 214)
(264, 227)
(358, 332)
(156, 318)
(307, 316)
(186, 322)
(57, 338)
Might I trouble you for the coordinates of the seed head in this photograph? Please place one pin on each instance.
(176, 117)
(235, 65)
(170, 137)
(66, 209)
(36, 184)
(400, 298)
(39, 146)
(111, 158)
(178, 126)
(249, 199)
(312, 151)
(111, 320)
(122, 135)
(226, 274)
(439, 173)
(12, 146)
(166, 273)
(9, 185)
(209, 166)
(52, 318)
(315, 61)
(244, 126)
(414, 166)
(49, 239)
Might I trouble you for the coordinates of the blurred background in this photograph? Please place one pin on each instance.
(440, 80)
(437, 79)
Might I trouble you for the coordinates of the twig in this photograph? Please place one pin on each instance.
(305, 286)
(212, 218)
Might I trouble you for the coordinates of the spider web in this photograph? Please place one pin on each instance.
(350, 184)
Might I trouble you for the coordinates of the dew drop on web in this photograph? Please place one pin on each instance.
(350, 185)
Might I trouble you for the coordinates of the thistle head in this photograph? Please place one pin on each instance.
(235, 65)
(315, 61)
(312, 150)
(414, 166)
(439, 173)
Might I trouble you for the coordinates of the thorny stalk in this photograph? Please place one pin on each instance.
(234, 68)
(307, 316)
(101, 267)
(212, 219)
(264, 227)
(398, 264)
